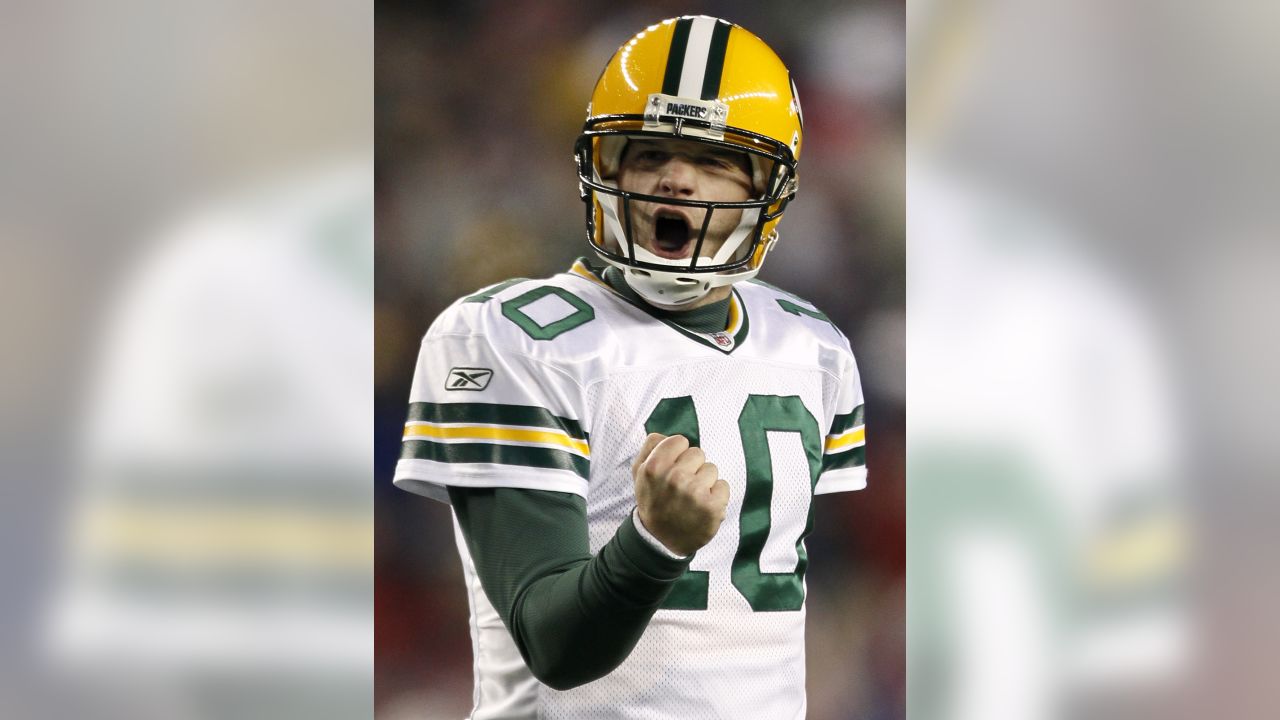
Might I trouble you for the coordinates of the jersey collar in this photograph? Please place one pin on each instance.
(726, 340)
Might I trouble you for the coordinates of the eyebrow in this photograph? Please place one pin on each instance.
(709, 149)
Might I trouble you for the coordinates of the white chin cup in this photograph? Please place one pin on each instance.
(667, 290)
(674, 290)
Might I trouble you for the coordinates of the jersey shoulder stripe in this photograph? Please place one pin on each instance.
(844, 453)
(493, 404)
(846, 442)
(494, 413)
(461, 433)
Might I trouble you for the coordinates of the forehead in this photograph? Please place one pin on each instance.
(684, 147)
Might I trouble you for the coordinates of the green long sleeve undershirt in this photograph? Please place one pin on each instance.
(575, 617)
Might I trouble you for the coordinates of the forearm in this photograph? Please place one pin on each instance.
(575, 617)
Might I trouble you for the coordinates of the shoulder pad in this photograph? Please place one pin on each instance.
(774, 298)
(550, 318)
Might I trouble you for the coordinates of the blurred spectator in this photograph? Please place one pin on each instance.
(220, 550)
(194, 434)
(1049, 533)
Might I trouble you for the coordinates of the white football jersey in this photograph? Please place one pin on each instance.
(553, 385)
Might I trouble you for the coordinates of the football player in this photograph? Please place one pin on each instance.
(631, 448)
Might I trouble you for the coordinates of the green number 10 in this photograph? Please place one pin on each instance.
(761, 415)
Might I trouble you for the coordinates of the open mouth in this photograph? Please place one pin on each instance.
(672, 236)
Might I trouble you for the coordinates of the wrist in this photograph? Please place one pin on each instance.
(650, 538)
(641, 555)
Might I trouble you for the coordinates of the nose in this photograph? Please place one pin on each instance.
(678, 177)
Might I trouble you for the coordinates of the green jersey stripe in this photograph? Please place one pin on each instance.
(485, 294)
(493, 414)
(847, 422)
(498, 454)
(853, 457)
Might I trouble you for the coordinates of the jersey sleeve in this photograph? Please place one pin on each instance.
(844, 448)
(485, 416)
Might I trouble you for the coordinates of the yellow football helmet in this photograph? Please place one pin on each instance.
(701, 79)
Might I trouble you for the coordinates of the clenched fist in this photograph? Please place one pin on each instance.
(680, 496)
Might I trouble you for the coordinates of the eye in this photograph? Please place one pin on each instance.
(651, 155)
(724, 162)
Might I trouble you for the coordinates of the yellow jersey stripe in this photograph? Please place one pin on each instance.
(735, 315)
(581, 271)
(845, 440)
(550, 437)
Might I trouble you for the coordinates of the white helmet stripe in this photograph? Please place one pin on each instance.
(695, 57)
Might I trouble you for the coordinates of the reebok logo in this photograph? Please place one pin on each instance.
(465, 378)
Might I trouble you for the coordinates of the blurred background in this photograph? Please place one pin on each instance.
(478, 107)
(186, 257)
(1088, 329)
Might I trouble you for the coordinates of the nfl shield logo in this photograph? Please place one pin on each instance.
(722, 339)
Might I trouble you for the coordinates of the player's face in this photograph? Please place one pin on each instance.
(685, 170)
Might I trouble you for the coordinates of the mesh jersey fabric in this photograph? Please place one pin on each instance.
(552, 384)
